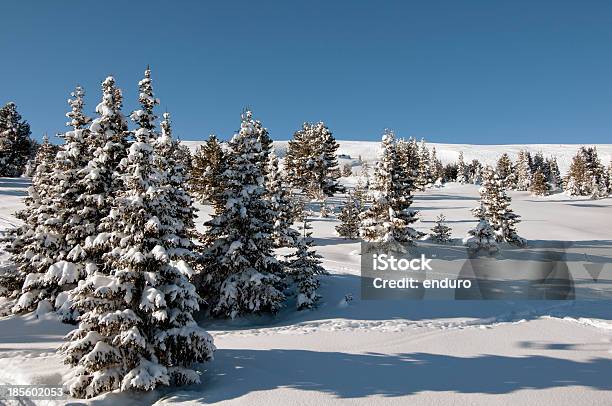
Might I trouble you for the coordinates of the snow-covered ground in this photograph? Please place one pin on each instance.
(383, 352)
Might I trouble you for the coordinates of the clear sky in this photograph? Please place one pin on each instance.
(486, 71)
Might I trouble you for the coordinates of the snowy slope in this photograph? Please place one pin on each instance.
(381, 352)
(488, 154)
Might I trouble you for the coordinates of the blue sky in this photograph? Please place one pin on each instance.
(451, 71)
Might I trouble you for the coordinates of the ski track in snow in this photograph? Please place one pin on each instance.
(554, 312)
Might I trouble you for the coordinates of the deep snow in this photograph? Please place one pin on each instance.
(379, 352)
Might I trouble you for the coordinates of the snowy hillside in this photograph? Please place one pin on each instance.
(380, 352)
(487, 154)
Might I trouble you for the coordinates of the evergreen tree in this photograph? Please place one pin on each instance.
(539, 186)
(16, 146)
(206, 181)
(365, 171)
(598, 190)
(436, 167)
(424, 175)
(555, 175)
(349, 218)
(578, 181)
(461, 170)
(311, 163)
(450, 172)
(505, 171)
(609, 178)
(481, 237)
(441, 233)
(298, 207)
(389, 219)
(240, 274)
(137, 330)
(32, 250)
(329, 169)
(408, 155)
(280, 205)
(497, 209)
(266, 143)
(538, 164)
(304, 267)
(475, 172)
(33, 163)
(361, 191)
(178, 216)
(595, 171)
(523, 172)
(108, 144)
(64, 219)
(347, 170)
(297, 157)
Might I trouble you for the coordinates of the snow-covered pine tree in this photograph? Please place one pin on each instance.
(263, 136)
(539, 185)
(108, 143)
(440, 233)
(184, 156)
(40, 187)
(609, 178)
(436, 167)
(330, 171)
(595, 171)
(240, 273)
(32, 163)
(598, 190)
(461, 170)
(178, 216)
(408, 154)
(475, 172)
(538, 163)
(297, 156)
(280, 205)
(577, 182)
(362, 190)
(304, 268)
(365, 171)
(389, 219)
(482, 237)
(65, 218)
(207, 173)
(16, 146)
(136, 330)
(523, 172)
(349, 218)
(298, 207)
(555, 175)
(450, 172)
(424, 174)
(497, 209)
(505, 171)
(311, 163)
(347, 170)
(30, 250)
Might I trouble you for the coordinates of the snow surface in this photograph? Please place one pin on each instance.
(382, 352)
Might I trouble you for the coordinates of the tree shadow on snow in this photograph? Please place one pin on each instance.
(238, 372)
(323, 241)
(14, 186)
